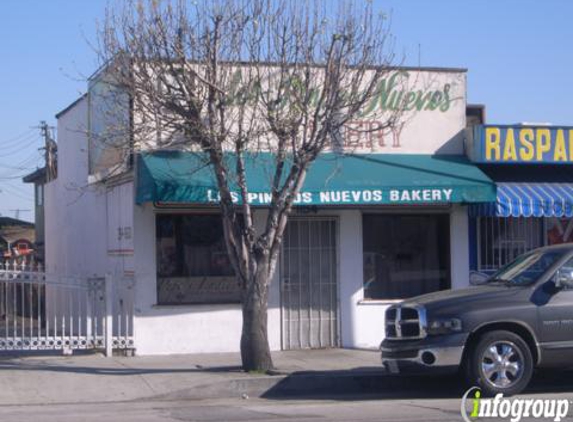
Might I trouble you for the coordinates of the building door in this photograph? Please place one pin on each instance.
(309, 288)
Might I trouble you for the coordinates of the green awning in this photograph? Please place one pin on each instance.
(367, 179)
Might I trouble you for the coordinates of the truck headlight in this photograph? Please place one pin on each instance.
(444, 326)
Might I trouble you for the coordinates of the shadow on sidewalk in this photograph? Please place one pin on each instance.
(63, 365)
(363, 384)
(115, 371)
(372, 384)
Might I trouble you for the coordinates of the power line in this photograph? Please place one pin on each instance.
(18, 144)
(19, 176)
(28, 166)
(23, 145)
(8, 172)
(18, 186)
(25, 198)
(24, 189)
(24, 164)
(32, 139)
(16, 139)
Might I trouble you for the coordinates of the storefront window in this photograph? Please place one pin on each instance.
(192, 263)
(405, 255)
(501, 240)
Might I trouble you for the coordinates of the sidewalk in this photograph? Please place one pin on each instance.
(94, 378)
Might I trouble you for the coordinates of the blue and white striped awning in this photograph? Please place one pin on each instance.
(528, 200)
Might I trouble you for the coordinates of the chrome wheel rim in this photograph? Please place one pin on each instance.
(502, 364)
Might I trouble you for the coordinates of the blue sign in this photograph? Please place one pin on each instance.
(503, 144)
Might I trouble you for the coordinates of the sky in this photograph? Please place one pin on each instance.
(515, 51)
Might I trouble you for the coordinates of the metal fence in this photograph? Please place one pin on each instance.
(39, 311)
(503, 239)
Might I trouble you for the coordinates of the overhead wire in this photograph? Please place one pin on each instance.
(20, 167)
(19, 176)
(10, 148)
(18, 143)
(28, 164)
(25, 166)
(25, 162)
(32, 140)
(18, 189)
(15, 192)
(18, 193)
(17, 185)
(16, 139)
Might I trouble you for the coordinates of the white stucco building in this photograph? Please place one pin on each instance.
(391, 223)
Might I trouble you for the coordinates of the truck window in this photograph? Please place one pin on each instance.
(527, 268)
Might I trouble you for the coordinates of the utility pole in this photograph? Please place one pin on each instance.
(50, 150)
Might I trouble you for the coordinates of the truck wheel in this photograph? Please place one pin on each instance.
(501, 362)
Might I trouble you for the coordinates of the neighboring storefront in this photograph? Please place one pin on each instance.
(533, 171)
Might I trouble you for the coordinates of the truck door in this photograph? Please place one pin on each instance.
(555, 313)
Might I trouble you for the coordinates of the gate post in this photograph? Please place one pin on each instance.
(108, 315)
(90, 300)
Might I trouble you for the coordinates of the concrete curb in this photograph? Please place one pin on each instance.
(307, 384)
(229, 388)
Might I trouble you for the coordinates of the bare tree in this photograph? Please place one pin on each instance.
(231, 78)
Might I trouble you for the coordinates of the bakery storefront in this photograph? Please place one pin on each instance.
(381, 228)
(383, 218)
(532, 167)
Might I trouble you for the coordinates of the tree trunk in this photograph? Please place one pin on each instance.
(255, 350)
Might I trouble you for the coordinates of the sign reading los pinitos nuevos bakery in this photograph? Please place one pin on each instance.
(505, 144)
(352, 179)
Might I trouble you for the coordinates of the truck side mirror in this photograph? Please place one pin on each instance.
(563, 278)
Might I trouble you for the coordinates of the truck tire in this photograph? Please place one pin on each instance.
(500, 362)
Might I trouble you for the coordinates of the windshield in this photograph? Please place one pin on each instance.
(526, 268)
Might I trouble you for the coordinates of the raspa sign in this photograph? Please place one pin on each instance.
(503, 144)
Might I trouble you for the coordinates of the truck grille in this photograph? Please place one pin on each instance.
(405, 322)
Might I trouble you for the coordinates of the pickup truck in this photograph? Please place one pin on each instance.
(496, 333)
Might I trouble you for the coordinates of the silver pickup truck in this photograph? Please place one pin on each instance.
(497, 333)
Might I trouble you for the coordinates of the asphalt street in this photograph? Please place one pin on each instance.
(205, 388)
(260, 410)
(445, 406)
(237, 410)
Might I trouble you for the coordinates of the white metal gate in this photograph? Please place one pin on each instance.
(41, 312)
(309, 288)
